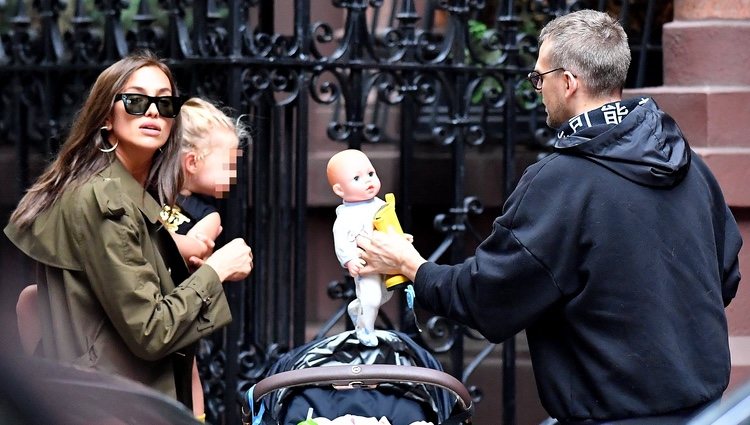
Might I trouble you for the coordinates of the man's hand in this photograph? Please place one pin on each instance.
(389, 253)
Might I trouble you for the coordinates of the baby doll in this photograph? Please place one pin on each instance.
(353, 178)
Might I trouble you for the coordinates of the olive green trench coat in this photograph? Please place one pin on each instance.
(115, 294)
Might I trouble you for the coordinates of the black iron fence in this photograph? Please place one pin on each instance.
(431, 75)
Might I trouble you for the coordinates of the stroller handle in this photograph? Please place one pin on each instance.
(362, 376)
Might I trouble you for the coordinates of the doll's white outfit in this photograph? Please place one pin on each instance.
(354, 219)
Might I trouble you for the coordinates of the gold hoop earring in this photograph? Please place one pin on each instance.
(103, 132)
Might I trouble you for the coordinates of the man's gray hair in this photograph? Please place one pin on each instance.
(593, 46)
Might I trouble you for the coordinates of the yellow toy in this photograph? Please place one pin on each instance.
(386, 220)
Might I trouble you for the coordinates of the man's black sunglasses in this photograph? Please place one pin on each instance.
(138, 104)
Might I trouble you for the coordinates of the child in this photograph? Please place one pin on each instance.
(210, 147)
(209, 143)
(29, 327)
(352, 177)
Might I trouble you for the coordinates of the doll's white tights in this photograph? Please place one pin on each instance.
(363, 310)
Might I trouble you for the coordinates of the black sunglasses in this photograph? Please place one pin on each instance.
(138, 104)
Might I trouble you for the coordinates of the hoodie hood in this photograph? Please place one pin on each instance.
(633, 138)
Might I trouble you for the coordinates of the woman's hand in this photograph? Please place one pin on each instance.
(233, 261)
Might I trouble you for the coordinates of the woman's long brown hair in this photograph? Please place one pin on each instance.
(79, 158)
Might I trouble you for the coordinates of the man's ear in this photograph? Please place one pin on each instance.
(571, 83)
(337, 190)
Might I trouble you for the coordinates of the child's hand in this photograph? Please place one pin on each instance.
(202, 250)
(208, 244)
(194, 263)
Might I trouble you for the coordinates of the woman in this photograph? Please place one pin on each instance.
(114, 292)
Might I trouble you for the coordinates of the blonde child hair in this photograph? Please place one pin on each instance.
(199, 117)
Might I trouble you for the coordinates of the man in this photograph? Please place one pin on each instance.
(617, 253)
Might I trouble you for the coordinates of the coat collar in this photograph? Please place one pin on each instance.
(133, 190)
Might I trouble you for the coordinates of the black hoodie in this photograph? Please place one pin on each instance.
(618, 255)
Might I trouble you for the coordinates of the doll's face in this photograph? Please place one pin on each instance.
(356, 179)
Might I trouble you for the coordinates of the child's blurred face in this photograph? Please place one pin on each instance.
(357, 180)
(217, 169)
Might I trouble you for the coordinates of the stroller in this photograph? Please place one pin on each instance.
(337, 375)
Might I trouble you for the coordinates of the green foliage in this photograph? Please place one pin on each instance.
(9, 8)
(477, 32)
(477, 29)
